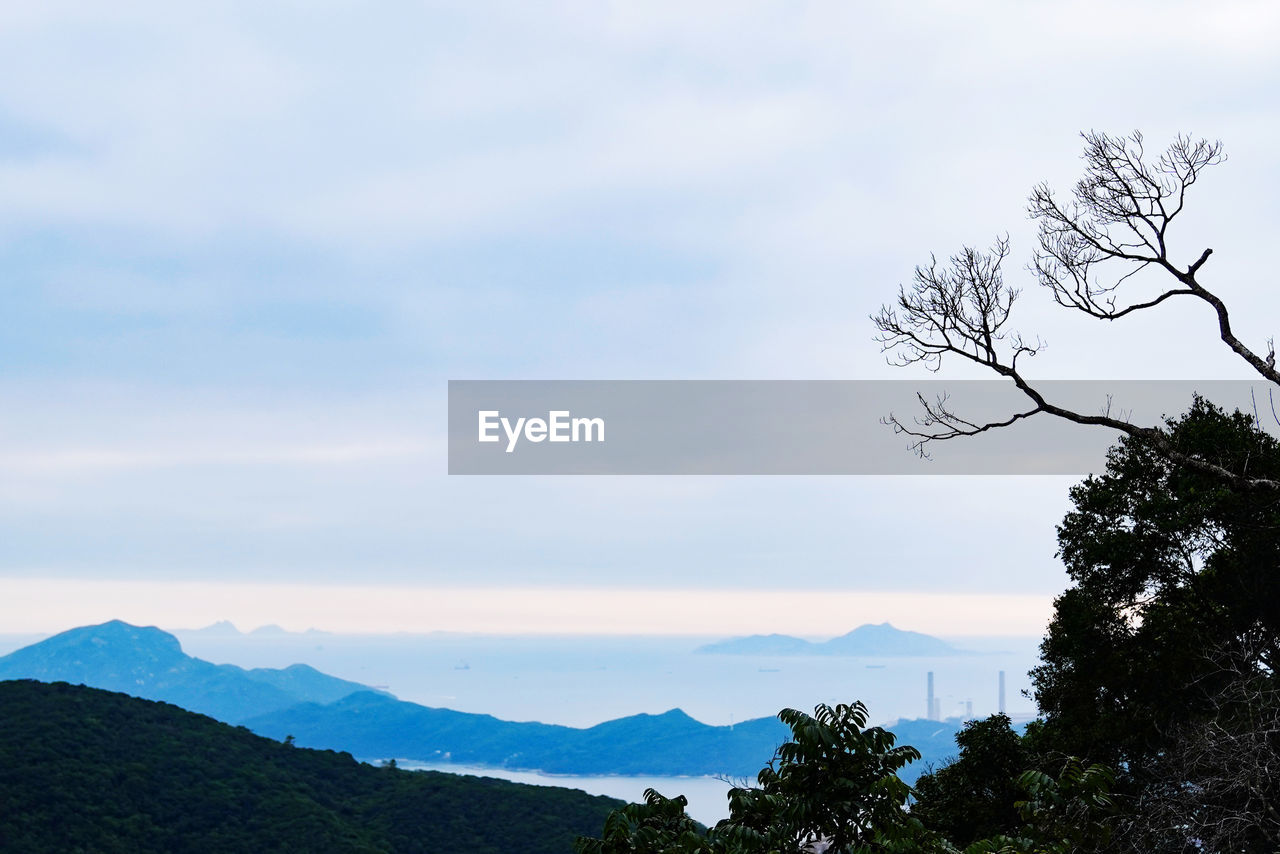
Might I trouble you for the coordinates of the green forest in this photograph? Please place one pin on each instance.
(86, 770)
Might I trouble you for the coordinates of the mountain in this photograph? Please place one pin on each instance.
(222, 629)
(880, 641)
(321, 711)
(324, 712)
(936, 741)
(227, 629)
(761, 645)
(670, 744)
(89, 770)
(884, 640)
(147, 662)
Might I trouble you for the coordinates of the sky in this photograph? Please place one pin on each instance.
(244, 247)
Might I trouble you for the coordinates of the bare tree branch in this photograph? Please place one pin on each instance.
(1219, 775)
(1115, 227)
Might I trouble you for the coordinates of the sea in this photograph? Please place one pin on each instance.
(707, 796)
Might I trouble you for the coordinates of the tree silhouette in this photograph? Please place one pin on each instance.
(1090, 249)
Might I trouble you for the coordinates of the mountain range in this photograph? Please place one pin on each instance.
(149, 663)
(227, 629)
(874, 641)
(668, 744)
(321, 711)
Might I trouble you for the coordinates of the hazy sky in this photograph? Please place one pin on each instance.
(244, 248)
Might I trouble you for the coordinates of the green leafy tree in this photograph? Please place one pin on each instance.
(974, 796)
(1175, 574)
(835, 782)
(833, 787)
(1160, 659)
(1067, 814)
(658, 824)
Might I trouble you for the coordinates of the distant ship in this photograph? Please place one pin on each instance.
(462, 665)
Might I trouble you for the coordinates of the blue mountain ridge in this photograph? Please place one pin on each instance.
(321, 711)
(149, 663)
(668, 744)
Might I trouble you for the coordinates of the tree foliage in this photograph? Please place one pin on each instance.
(1067, 814)
(836, 780)
(974, 796)
(1160, 657)
(85, 770)
(835, 788)
(1173, 574)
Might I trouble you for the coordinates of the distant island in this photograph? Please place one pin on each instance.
(227, 629)
(879, 640)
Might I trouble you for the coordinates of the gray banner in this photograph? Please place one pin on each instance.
(797, 427)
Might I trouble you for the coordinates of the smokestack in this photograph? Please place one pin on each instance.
(968, 710)
(1001, 706)
(929, 701)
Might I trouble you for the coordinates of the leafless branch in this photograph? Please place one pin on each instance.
(1221, 774)
(1115, 226)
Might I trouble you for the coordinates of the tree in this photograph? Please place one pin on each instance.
(1090, 254)
(836, 782)
(974, 796)
(657, 824)
(1160, 659)
(1218, 778)
(1069, 814)
(834, 787)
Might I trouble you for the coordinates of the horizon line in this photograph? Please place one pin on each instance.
(34, 605)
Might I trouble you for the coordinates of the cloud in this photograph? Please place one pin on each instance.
(432, 123)
(80, 462)
(263, 236)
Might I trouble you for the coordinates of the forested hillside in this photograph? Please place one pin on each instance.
(88, 770)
